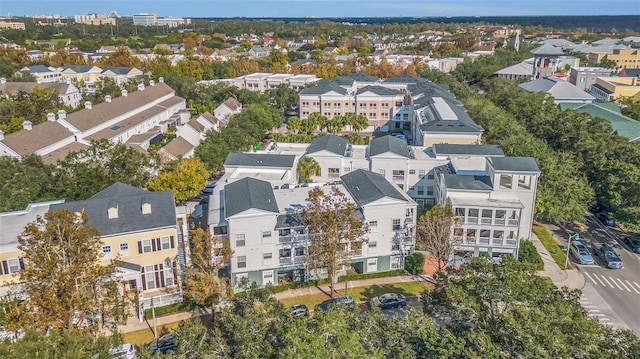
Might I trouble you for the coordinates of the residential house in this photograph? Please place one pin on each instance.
(520, 71)
(189, 136)
(42, 73)
(228, 108)
(121, 74)
(68, 94)
(82, 74)
(561, 90)
(258, 51)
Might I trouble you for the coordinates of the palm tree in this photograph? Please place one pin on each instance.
(294, 124)
(306, 168)
(360, 122)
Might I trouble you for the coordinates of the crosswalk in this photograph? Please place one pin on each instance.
(593, 310)
(613, 282)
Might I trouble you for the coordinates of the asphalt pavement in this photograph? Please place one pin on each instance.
(611, 295)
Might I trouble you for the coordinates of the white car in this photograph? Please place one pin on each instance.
(125, 351)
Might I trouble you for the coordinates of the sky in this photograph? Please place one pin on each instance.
(322, 8)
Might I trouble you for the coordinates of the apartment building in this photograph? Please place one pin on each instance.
(95, 19)
(269, 241)
(82, 74)
(461, 174)
(262, 81)
(42, 73)
(584, 77)
(624, 58)
(13, 25)
(143, 230)
(145, 19)
(611, 88)
(68, 94)
(151, 109)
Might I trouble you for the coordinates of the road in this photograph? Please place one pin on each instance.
(611, 295)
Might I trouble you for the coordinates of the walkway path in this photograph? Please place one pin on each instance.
(571, 278)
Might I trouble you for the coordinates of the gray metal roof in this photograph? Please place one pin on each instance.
(547, 49)
(388, 143)
(331, 143)
(38, 68)
(476, 150)
(248, 193)
(408, 79)
(259, 160)
(78, 68)
(379, 90)
(129, 201)
(366, 187)
(120, 70)
(558, 88)
(514, 164)
(360, 77)
(462, 124)
(467, 182)
(322, 87)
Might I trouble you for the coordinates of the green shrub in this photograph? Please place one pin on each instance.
(414, 263)
(184, 306)
(344, 278)
(529, 254)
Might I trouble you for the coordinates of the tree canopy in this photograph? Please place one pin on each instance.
(186, 179)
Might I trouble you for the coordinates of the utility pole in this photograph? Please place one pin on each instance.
(572, 237)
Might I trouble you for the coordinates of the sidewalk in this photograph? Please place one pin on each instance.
(134, 324)
(571, 278)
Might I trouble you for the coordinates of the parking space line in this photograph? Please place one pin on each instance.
(624, 285)
(605, 279)
(604, 319)
(637, 285)
(591, 279)
(614, 282)
(631, 285)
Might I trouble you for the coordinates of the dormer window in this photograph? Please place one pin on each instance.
(146, 208)
(112, 212)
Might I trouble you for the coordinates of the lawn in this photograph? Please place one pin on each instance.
(552, 246)
(145, 336)
(360, 294)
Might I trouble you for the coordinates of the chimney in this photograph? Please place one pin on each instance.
(107, 98)
(68, 81)
(62, 115)
(161, 79)
(88, 105)
(140, 87)
(3, 80)
(125, 93)
(51, 117)
(152, 83)
(1, 135)
(27, 125)
(38, 81)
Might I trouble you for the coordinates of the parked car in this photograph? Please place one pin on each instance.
(606, 252)
(633, 242)
(163, 344)
(125, 351)
(345, 301)
(606, 219)
(389, 300)
(580, 251)
(299, 310)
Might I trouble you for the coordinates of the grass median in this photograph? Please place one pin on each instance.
(551, 245)
(360, 294)
(145, 336)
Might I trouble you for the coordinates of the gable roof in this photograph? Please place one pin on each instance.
(521, 69)
(621, 124)
(404, 78)
(379, 90)
(477, 150)
(259, 160)
(331, 143)
(558, 88)
(25, 142)
(387, 144)
(547, 49)
(37, 69)
(118, 70)
(233, 104)
(366, 187)
(322, 87)
(128, 200)
(179, 146)
(249, 193)
(15, 87)
(105, 111)
(514, 164)
(79, 68)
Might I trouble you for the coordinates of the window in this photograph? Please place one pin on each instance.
(316, 105)
(459, 212)
(346, 170)
(471, 235)
(398, 103)
(165, 243)
(327, 114)
(505, 181)
(147, 246)
(430, 176)
(334, 172)
(373, 247)
(106, 250)
(266, 258)
(242, 261)
(240, 240)
(396, 224)
(473, 212)
(327, 106)
(421, 172)
(429, 191)
(420, 190)
(412, 172)
(373, 223)
(13, 266)
(363, 106)
(372, 265)
(336, 106)
(266, 235)
(222, 230)
(124, 247)
(299, 251)
(150, 277)
(285, 253)
(385, 115)
(372, 106)
(169, 278)
(383, 172)
(385, 105)
(498, 234)
(398, 174)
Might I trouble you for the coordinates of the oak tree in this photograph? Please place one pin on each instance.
(186, 179)
(435, 229)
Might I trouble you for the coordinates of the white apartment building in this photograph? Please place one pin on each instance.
(269, 242)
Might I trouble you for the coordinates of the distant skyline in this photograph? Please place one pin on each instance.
(322, 8)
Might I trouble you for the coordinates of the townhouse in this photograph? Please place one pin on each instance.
(143, 230)
(149, 110)
(42, 73)
(68, 94)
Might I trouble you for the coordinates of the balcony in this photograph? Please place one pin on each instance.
(485, 241)
(292, 238)
(291, 261)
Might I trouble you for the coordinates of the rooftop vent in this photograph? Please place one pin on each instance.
(1, 135)
(27, 125)
(62, 114)
(107, 98)
(51, 117)
(88, 105)
(152, 83)
(140, 87)
(3, 80)
(125, 93)
(161, 79)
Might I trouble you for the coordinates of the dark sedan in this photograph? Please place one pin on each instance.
(299, 310)
(163, 344)
(610, 256)
(633, 242)
(389, 300)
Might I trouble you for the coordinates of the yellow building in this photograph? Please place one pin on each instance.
(11, 25)
(624, 58)
(142, 229)
(611, 88)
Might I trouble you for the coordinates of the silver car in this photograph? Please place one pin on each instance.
(610, 256)
(581, 253)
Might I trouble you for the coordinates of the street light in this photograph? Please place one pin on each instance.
(574, 237)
